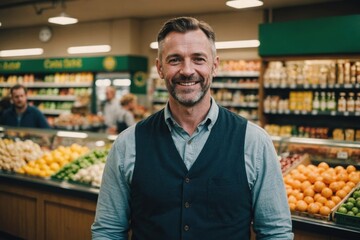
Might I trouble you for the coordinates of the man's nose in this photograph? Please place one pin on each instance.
(187, 68)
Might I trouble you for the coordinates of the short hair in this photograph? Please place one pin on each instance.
(183, 25)
(127, 98)
(16, 87)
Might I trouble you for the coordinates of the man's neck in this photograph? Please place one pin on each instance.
(20, 111)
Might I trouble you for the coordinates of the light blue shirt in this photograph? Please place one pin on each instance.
(272, 219)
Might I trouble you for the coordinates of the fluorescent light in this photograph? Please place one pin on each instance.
(21, 52)
(103, 82)
(244, 3)
(63, 19)
(226, 44)
(72, 134)
(154, 45)
(122, 82)
(237, 44)
(0, 24)
(89, 49)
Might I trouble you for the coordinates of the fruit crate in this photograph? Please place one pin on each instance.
(343, 218)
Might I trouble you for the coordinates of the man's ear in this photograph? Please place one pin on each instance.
(159, 68)
(215, 66)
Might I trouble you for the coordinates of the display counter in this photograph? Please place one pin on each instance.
(43, 208)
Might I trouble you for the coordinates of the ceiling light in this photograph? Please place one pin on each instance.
(89, 49)
(244, 3)
(21, 52)
(122, 82)
(237, 44)
(226, 44)
(0, 24)
(63, 19)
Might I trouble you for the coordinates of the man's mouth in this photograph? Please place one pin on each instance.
(187, 83)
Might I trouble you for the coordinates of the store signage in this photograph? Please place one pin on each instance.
(80, 64)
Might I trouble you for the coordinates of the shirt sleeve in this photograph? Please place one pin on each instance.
(113, 211)
(272, 218)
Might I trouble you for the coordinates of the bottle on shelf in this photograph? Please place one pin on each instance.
(357, 103)
(323, 101)
(316, 102)
(342, 102)
(350, 103)
(331, 102)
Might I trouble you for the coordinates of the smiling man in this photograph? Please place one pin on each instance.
(193, 170)
(20, 114)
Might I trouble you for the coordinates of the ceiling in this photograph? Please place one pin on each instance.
(25, 13)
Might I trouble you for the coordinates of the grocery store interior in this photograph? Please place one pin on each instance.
(293, 69)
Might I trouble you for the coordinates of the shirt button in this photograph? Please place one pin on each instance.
(187, 180)
(187, 204)
(186, 228)
(189, 142)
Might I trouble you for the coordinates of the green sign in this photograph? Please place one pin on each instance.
(331, 35)
(80, 64)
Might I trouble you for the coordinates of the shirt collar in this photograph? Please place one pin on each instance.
(209, 120)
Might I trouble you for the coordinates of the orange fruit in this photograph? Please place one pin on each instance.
(296, 184)
(347, 188)
(323, 165)
(292, 199)
(292, 206)
(354, 177)
(318, 186)
(289, 191)
(301, 206)
(299, 196)
(311, 176)
(341, 184)
(336, 199)
(321, 200)
(351, 184)
(326, 192)
(316, 196)
(313, 208)
(339, 169)
(341, 193)
(309, 192)
(305, 184)
(342, 176)
(324, 210)
(330, 204)
(350, 169)
(308, 199)
(328, 177)
(334, 186)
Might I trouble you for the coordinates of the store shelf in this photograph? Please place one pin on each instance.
(48, 85)
(54, 111)
(52, 98)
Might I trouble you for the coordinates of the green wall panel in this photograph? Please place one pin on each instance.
(331, 35)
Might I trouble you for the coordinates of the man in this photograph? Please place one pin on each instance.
(110, 109)
(126, 115)
(21, 114)
(193, 170)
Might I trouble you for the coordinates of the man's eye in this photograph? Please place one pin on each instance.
(174, 60)
(199, 60)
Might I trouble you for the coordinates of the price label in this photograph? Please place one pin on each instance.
(346, 113)
(314, 112)
(333, 113)
(342, 155)
(306, 86)
(296, 112)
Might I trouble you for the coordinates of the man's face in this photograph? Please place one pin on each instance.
(109, 93)
(19, 98)
(187, 64)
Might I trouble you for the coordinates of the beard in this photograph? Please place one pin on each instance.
(182, 96)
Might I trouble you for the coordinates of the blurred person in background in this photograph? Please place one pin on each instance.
(126, 114)
(21, 114)
(110, 108)
(5, 103)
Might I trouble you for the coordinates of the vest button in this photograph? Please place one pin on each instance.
(187, 204)
(187, 180)
(186, 228)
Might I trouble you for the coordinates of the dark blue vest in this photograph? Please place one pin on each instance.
(210, 201)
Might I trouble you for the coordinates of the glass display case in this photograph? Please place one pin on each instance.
(333, 152)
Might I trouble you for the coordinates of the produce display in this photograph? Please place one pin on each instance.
(51, 162)
(316, 190)
(286, 161)
(91, 175)
(77, 170)
(351, 206)
(15, 154)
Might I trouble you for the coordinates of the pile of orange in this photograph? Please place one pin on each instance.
(318, 189)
